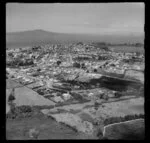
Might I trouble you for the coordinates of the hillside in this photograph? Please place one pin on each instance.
(35, 37)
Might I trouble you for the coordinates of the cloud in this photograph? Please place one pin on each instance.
(86, 23)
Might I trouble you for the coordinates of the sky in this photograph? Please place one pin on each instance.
(87, 18)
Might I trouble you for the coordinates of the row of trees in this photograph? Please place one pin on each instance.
(79, 65)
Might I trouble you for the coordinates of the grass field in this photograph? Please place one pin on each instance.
(18, 129)
(133, 130)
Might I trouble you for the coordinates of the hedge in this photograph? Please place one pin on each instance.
(122, 119)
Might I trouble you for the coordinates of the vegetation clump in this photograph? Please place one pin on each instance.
(20, 111)
(76, 65)
(58, 63)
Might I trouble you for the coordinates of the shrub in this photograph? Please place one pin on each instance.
(12, 76)
(25, 109)
(95, 70)
(77, 65)
(11, 98)
(104, 138)
(58, 63)
(118, 94)
(38, 69)
(104, 96)
(83, 66)
(21, 111)
(99, 133)
(77, 96)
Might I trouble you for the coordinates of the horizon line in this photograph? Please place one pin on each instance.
(130, 33)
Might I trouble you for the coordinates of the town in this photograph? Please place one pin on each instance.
(79, 84)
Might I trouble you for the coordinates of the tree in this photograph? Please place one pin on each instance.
(38, 69)
(10, 54)
(95, 70)
(96, 105)
(77, 65)
(11, 96)
(58, 63)
(118, 94)
(83, 66)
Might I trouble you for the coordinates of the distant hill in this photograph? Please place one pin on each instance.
(36, 37)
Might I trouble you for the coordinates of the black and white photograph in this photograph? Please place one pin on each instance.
(75, 71)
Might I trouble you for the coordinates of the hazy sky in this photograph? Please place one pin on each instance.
(96, 18)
